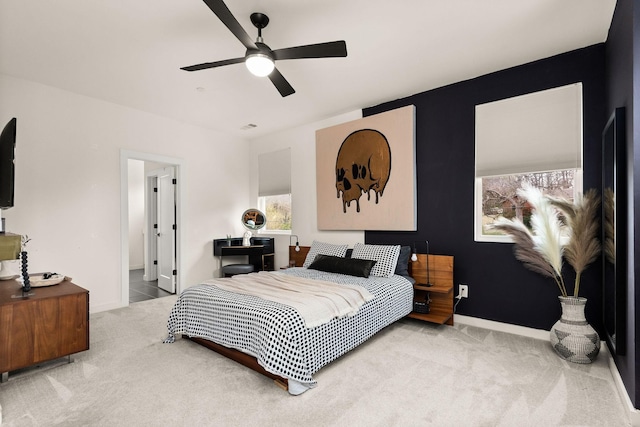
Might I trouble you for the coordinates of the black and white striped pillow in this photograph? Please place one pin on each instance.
(386, 257)
(324, 249)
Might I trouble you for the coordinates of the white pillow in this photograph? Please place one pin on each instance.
(324, 249)
(386, 257)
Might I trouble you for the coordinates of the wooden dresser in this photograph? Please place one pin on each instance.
(52, 322)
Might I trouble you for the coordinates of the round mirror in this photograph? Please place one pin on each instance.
(253, 219)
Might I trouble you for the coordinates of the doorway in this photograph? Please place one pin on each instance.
(159, 234)
(160, 227)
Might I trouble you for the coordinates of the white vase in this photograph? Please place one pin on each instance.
(572, 337)
(9, 269)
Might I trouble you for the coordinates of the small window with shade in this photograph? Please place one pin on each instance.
(534, 138)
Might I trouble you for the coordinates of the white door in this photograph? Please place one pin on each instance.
(166, 233)
(151, 228)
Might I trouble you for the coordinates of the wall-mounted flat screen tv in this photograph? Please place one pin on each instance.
(7, 168)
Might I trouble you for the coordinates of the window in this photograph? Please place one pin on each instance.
(499, 196)
(274, 190)
(534, 138)
(278, 211)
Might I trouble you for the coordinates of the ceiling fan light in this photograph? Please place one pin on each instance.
(259, 64)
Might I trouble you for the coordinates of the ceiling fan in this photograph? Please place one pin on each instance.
(259, 57)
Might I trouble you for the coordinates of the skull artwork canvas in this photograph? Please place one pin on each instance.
(363, 165)
(372, 156)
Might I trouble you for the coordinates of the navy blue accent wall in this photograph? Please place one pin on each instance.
(500, 288)
(623, 89)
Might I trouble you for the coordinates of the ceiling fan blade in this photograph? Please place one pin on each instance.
(206, 65)
(281, 83)
(224, 14)
(320, 50)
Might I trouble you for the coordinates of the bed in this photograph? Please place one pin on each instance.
(273, 338)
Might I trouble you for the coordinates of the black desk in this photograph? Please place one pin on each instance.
(261, 252)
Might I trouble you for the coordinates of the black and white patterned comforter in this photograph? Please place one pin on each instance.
(276, 334)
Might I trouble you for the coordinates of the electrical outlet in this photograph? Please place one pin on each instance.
(463, 291)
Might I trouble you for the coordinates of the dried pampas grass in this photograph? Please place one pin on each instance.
(525, 251)
(583, 247)
(546, 225)
(560, 230)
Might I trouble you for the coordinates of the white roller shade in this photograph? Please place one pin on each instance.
(274, 173)
(536, 132)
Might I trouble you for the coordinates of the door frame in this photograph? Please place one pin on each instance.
(180, 174)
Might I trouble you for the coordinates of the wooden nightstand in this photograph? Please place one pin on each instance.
(441, 291)
(298, 256)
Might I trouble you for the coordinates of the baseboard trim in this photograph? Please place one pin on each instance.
(105, 307)
(634, 414)
(541, 334)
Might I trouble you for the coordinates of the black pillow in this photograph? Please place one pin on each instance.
(350, 266)
(402, 267)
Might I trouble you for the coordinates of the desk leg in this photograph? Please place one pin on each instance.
(4, 377)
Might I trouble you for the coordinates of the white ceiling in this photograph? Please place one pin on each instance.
(129, 52)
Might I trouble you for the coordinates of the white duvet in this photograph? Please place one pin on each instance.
(317, 301)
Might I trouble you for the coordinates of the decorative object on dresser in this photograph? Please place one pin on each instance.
(10, 245)
(561, 230)
(50, 324)
(46, 279)
(9, 269)
(26, 284)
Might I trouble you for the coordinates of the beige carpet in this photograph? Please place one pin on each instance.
(410, 374)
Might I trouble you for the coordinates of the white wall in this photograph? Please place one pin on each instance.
(68, 183)
(302, 141)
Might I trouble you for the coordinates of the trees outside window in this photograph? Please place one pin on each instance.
(499, 196)
(277, 209)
